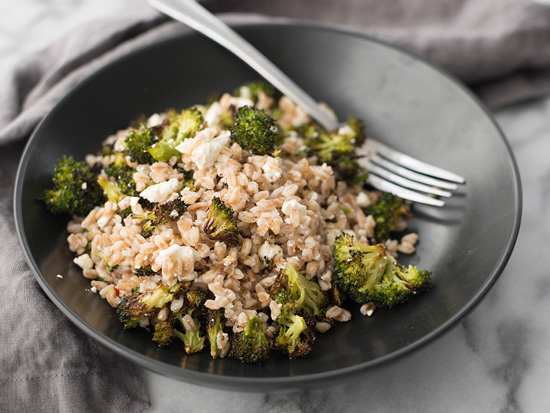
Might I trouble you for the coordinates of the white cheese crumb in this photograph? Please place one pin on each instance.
(288, 206)
(84, 185)
(154, 120)
(362, 200)
(161, 192)
(84, 261)
(268, 252)
(213, 114)
(175, 252)
(209, 150)
(272, 169)
(59, 276)
(240, 101)
(93, 289)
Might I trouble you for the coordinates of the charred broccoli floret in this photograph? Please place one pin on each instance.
(193, 339)
(177, 128)
(221, 223)
(388, 211)
(307, 296)
(75, 191)
(296, 334)
(110, 189)
(165, 333)
(254, 130)
(251, 344)
(367, 273)
(135, 307)
(167, 211)
(215, 322)
(137, 143)
(337, 149)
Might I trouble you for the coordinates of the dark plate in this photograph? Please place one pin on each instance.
(406, 102)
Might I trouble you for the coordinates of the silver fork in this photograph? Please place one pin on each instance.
(389, 170)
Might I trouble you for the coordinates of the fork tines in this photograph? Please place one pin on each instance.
(407, 177)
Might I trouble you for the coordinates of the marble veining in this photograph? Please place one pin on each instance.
(496, 360)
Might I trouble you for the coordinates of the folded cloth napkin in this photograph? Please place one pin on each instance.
(46, 364)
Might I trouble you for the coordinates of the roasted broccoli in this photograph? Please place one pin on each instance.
(193, 339)
(306, 295)
(254, 130)
(177, 128)
(167, 211)
(367, 273)
(296, 334)
(215, 322)
(388, 211)
(135, 307)
(165, 333)
(123, 175)
(251, 344)
(221, 223)
(144, 271)
(75, 191)
(137, 143)
(337, 149)
(110, 189)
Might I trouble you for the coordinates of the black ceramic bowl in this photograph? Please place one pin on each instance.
(405, 102)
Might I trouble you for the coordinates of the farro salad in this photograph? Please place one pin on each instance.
(237, 227)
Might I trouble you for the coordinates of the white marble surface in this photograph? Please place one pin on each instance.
(496, 360)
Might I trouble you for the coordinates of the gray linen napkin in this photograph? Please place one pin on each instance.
(46, 364)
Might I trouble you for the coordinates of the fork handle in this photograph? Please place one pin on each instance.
(194, 15)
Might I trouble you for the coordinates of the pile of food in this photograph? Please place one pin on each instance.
(238, 227)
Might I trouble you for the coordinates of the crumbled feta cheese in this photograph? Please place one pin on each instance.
(288, 206)
(84, 261)
(93, 289)
(154, 120)
(239, 101)
(177, 252)
(213, 114)
(345, 130)
(272, 169)
(268, 252)
(84, 185)
(208, 151)
(59, 276)
(161, 192)
(362, 200)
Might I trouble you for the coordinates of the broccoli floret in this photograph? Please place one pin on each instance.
(220, 223)
(135, 307)
(306, 295)
(349, 171)
(177, 128)
(75, 191)
(337, 149)
(137, 143)
(251, 344)
(192, 339)
(254, 130)
(167, 211)
(367, 273)
(330, 147)
(123, 175)
(110, 189)
(165, 333)
(388, 211)
(215, 322)
(296, 334)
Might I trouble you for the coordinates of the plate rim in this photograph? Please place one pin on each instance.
(265, 383)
